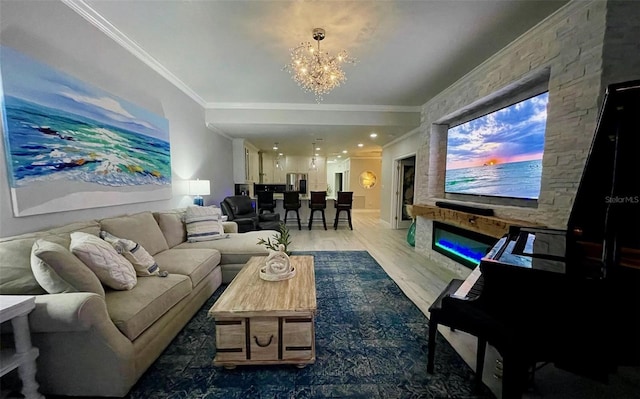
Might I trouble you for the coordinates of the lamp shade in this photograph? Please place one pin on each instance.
(199, 187)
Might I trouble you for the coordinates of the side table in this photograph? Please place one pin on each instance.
(16, 308)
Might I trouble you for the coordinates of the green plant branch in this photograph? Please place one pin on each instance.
(283, 238)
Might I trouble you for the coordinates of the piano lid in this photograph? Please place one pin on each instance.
(531, 248)
(605, 217)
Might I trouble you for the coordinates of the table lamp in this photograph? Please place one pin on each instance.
(199, 188)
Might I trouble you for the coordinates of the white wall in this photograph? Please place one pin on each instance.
(404, 148)
(53, 34)
(371, 196)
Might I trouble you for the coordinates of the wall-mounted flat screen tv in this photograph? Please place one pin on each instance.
(499, 154)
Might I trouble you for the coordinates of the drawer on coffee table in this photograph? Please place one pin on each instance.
(264, 338)
(297, 338)
(230, 340)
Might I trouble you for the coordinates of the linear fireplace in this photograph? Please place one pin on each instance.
(463, 246)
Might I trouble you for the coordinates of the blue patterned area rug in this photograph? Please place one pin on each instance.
(371, 342)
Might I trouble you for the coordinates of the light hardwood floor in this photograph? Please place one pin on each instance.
(422, 280)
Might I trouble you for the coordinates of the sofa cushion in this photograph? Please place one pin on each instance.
(141, 228)
(196, 263)
(230, 227)
(136, 310)
(112, 269)
(57, 270)
(238, 248)
(91, 227)
(16, 276)
(172, 226)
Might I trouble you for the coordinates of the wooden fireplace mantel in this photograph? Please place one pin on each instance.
(488, 225)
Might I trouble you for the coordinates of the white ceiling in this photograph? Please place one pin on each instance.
(229, 55)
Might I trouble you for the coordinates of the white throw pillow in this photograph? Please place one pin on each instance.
(112, 269)
(203, 223)
(144, 263)
(58, 270)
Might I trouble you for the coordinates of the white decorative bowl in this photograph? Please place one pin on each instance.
(276, 277)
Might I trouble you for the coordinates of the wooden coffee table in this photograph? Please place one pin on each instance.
(267, 322)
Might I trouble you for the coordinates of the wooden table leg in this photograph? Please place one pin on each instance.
(27, 370)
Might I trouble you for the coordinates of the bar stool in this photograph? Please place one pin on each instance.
(292, 202)
(343, 203)
(318, 202)
(266, 201)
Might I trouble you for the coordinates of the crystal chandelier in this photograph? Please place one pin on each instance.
(317, 71)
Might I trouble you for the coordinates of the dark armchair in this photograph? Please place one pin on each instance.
(239, 209)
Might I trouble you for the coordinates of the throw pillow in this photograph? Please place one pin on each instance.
(144, 263)
(203, 223)
(112, 269)
(57, 270)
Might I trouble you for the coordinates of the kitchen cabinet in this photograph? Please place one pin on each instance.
(246, 162)
(270, 174)
(253, 175)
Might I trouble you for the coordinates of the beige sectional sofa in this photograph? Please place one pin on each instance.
(100, 346)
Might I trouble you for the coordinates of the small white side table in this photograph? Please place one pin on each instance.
(16, 308)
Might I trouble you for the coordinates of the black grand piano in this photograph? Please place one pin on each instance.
(569, 297)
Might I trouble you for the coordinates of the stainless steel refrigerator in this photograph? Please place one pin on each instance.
(297, 182)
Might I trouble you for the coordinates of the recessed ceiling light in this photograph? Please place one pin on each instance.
(373, 135)
(360, 145)
(317, 154)
(339, 156)
(280, 154)
(317, 148)
(344, 151)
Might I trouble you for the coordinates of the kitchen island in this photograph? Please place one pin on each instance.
(304, 211)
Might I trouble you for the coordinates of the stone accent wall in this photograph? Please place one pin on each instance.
(571, 44)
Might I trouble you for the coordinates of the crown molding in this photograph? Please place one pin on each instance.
(97, 20)
(402, 138)
(314, 107)
(374, 157)
(218, 131)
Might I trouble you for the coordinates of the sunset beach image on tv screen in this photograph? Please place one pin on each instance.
(499, 154)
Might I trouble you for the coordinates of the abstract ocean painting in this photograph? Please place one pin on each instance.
(70, 145)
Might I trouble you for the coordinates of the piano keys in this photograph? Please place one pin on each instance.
(471, 287)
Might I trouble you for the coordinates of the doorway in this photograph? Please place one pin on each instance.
(337, 183)
(405, 172)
